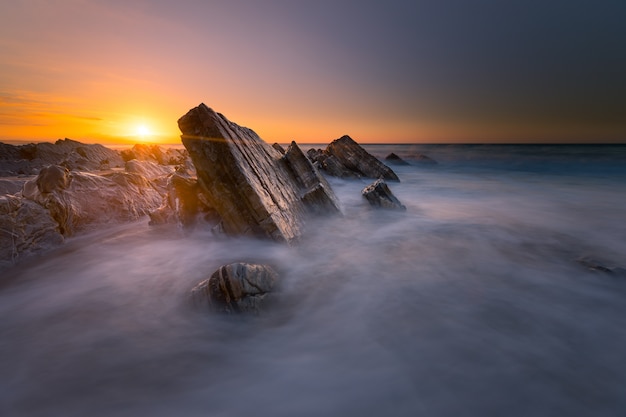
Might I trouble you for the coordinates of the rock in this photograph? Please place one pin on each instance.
(357, 159)
(182, 204)
(235, 288)
(379, 195)
(420, 158)
(11, 185)
(155, 153)
(330, 164)
(90, 199)
(317, 194)
(148, 169)
(26, 228)
(53, 177)
(279, 148)
(30, 158)
(392, 158)
(596, 265)
(242, 177)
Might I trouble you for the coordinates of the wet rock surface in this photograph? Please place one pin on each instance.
(317, 194)
(379, 195)
(236, 288)
(90, 199)
(242, 177)
(344, 158)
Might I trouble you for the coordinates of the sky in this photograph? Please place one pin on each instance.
(429, 71)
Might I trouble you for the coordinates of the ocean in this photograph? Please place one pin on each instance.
(480, 300)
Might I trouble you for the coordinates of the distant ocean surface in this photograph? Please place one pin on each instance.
(477, 301)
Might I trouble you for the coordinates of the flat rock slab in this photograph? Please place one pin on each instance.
(242, 177)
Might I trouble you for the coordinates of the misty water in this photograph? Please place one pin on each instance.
(470, 303)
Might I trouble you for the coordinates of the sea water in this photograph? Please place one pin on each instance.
(473, 302)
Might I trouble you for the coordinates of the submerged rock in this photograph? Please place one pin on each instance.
(379, 195)
(420, 158)
(242, 177)
(234, 288)
(603, 266)
(392, 158)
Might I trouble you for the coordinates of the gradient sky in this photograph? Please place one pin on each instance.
(380, 71)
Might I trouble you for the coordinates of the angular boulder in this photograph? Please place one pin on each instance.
(317, 194)
(379, 195)
(357, 159)
(242, 177)
(235, 288)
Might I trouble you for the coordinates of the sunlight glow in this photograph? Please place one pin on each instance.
(142, 131)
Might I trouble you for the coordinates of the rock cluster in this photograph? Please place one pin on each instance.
(155, 154)
(227, 175)
(345, 158)
(254, 189)
(29, 159)
(79, 193)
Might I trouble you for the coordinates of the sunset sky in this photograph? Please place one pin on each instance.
(381, 71)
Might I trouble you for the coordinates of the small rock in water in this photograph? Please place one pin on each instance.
(420, 158)
(395, 159)
(379, 195)
(235, 288)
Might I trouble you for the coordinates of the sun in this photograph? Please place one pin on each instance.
(142, 131)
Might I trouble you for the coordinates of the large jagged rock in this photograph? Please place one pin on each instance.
(30, 158)
(378, 194)
(242, 177)
(357, 159)
(235, 288)
(25, 228)
(317, 194)
(79, 200)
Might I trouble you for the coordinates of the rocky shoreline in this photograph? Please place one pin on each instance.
(227, 179)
